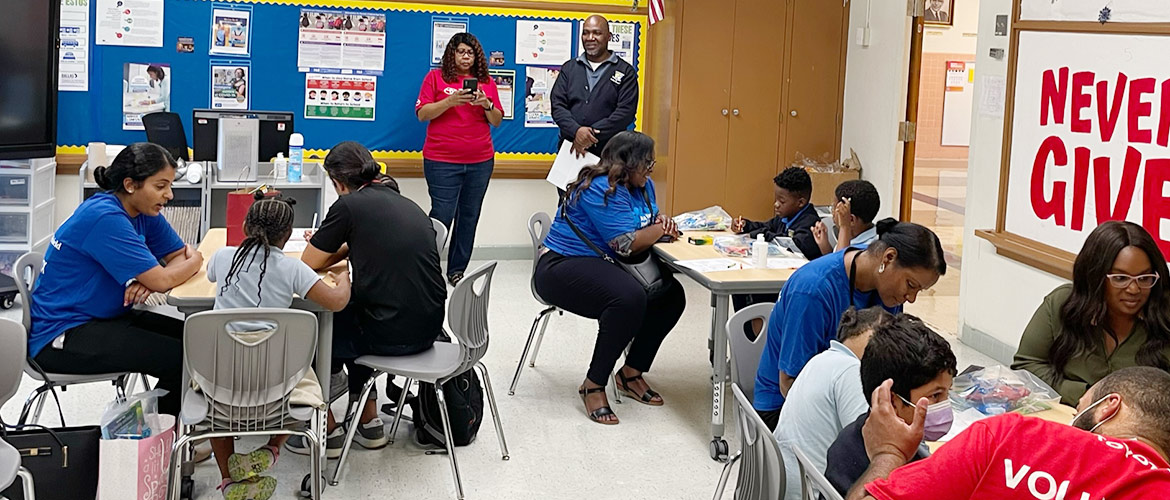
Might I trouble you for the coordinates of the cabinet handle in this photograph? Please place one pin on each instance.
(793, 112)
(735, 112)
(724, 111)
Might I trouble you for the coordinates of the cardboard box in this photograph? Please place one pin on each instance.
(824, 184)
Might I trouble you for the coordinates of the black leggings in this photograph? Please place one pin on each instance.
(593, 288)
(349, 343)
(138, 342)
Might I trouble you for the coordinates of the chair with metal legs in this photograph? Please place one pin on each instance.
(745, 358)
(761, 467)
(467, 317)
(27, 269)
(538, 226)
(13, 350)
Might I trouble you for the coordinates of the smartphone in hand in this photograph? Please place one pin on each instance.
(470, 86)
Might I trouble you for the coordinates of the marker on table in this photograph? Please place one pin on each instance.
(315, 214)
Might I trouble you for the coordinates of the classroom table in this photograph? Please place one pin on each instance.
(1061, 414)
(722, 285)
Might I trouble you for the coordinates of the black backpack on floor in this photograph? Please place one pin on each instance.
(464, 396)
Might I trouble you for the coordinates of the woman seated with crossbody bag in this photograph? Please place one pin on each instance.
(608, 220)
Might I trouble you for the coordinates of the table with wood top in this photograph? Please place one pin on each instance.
(722, 285)
(198, 294)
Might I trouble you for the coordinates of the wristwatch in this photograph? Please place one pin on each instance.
(491, 105)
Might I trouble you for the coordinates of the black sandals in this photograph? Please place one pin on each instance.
(596, 415)
(647, 398)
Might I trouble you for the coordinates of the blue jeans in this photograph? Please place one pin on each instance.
(457, 191)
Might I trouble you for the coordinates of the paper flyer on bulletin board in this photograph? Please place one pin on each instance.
(505, 80)
(336, 42)
(231, 31)
(229, 84)
(73, 58)
(146, 88)
(537, 101)
(131, 23)
(442, 29)
(621, 41)
(340, 97)
(543, 42)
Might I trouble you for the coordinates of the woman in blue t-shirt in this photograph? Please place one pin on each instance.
(905, 259)
(612, 204)
(114, 251)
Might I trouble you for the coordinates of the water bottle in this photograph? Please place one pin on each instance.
(280, 167)
(296, 156)
(760, 252)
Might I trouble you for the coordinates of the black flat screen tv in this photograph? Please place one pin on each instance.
(28, 78)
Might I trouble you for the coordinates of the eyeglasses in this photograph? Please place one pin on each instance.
(1124, 280)
(650, 167)
(465, 52)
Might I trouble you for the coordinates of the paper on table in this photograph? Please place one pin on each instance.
(779, 263)
(566, 167)
(712, 265)
(295, 246)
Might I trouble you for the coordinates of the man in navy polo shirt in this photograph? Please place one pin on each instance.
(596, 94)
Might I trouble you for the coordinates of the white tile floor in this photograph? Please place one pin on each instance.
(555, 451)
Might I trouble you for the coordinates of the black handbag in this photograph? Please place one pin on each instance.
(63, 462)
(645, 269)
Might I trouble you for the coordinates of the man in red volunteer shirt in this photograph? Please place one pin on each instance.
(1116, 449)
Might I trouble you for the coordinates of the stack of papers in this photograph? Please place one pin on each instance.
(728, 264)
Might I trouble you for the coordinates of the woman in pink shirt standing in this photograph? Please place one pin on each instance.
(458, 155)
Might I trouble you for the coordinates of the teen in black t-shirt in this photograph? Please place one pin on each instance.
(398, 294)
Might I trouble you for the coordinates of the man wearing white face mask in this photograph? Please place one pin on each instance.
(1122, 456)
(922, 366)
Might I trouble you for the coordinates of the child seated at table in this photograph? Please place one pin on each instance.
(853, 213)
(257, 274)
(922, 365)
(795, 218)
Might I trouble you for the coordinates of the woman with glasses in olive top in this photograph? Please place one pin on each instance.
(1115, 314)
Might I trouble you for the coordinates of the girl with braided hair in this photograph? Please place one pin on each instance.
(257, 274)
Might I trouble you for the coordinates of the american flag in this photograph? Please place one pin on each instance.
(657, 12)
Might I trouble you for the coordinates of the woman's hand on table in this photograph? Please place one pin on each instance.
(670, 229)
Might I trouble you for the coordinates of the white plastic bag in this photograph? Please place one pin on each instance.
(708, 219)
(998, 389)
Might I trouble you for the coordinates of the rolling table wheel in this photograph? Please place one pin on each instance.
(307, 488)
(719, 452)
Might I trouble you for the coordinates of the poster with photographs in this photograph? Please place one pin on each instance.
(337, 41)
(938, 12)
(146, 88)
(537, 103)
(505, 80)
(442, 29)
(340, 97)
(229, 84)
(231, 31)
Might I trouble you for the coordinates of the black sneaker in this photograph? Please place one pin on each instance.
(333, 445)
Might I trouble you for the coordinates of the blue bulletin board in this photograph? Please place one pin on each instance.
(277, 85)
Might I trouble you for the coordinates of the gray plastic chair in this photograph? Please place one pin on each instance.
(814, 486)
(761, 469)
(440, 234)
(28, 267)
(467, 317)
(745, 353)
(538, 226)
(245, 381)
(13, 351)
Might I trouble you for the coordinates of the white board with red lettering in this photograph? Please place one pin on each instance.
(1090, 139)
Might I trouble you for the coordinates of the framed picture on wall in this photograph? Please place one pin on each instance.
(938, 12)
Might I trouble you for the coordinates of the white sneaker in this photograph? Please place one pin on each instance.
(372, 435)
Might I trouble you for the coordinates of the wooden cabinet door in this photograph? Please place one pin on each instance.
(816, 79)
(700, 151)
(757, 84)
